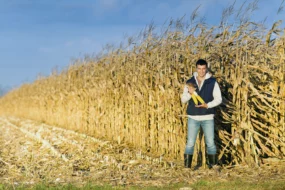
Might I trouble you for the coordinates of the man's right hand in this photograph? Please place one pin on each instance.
(191, 90)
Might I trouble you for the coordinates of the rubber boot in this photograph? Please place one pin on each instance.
(212, 160)
(187, 160)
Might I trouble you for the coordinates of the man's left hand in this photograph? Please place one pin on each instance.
(202, 106)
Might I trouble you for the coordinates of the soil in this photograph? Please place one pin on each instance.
(32, 152)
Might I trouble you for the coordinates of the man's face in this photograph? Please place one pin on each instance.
(201, 70)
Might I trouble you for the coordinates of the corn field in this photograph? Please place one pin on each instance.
(131, 95)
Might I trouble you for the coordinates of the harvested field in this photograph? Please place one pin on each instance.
(33, 153)
(132, 96)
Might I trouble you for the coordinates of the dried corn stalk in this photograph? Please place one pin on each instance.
(133, 96)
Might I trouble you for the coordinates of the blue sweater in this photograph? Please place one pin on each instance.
(206, 93)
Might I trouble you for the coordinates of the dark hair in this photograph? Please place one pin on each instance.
(202, 62)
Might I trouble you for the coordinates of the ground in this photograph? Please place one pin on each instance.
(34, 153)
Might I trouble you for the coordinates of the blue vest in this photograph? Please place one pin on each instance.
(206, 93)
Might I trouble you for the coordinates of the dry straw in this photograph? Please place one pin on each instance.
(131, 94)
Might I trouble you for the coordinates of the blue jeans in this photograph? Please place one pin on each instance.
(193, 129)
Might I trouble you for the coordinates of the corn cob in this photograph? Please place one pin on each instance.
(197, 98)
(193, 96)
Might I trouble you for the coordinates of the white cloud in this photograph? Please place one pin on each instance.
(69, 43)
(106, 7)
(108, 4)
(86, 41)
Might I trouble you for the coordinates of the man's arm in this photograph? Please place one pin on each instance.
(185, 97)
(217, 97)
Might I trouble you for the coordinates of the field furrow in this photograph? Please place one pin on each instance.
(33, 152)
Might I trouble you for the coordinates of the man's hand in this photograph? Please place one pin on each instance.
(191, 90)
(202, 106)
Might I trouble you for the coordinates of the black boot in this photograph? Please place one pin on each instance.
(187, 160)
(212, 160)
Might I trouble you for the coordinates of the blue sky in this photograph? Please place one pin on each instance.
(37, 36)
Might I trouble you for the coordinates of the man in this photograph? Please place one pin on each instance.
(202, 114)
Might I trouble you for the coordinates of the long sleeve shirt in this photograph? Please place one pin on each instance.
(185, 97)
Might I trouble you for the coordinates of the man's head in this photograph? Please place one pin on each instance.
(202, 67)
